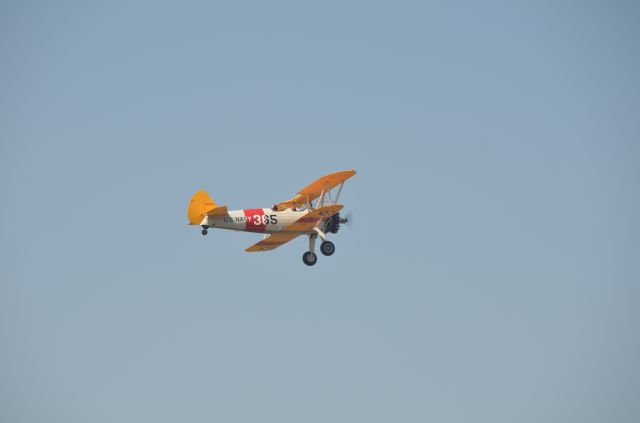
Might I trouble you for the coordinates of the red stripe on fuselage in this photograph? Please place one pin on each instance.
(254, 220)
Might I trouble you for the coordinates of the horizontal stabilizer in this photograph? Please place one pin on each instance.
(218, 211)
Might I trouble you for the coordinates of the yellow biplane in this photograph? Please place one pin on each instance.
(313, 212)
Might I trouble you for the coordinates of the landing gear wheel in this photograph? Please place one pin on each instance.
(204, 232)
(327, 248)
(309, 258)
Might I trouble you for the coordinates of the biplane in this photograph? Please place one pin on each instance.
(313, 213)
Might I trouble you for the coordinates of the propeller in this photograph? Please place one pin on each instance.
(347, 220)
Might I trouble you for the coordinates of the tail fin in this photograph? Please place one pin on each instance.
(201, 204)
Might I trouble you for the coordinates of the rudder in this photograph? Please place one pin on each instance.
(200, 205)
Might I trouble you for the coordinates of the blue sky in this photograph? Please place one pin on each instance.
(492, 271)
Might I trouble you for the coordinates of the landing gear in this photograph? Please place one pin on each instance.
(327, 248)
(204, 230)
(309, 258)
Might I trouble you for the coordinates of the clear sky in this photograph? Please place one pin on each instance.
(492, 271)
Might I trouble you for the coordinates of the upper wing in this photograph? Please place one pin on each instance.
(311, 219)
(271, 242)
(313, 190)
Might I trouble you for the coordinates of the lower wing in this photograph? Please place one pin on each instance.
(271, 242)
(299, 227)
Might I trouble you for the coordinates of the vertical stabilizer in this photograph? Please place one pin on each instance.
(200, 205)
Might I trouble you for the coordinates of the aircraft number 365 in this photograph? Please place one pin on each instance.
(264, 219)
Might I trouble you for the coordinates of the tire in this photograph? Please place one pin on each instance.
(327, 248)
(309, 258)
(204, 232)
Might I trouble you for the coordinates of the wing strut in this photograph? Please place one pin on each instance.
(339, 191)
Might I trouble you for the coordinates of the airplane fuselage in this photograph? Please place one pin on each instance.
(255, 220)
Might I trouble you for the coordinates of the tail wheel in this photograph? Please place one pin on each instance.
(309, 258)
(204, 232)
(327, 248)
